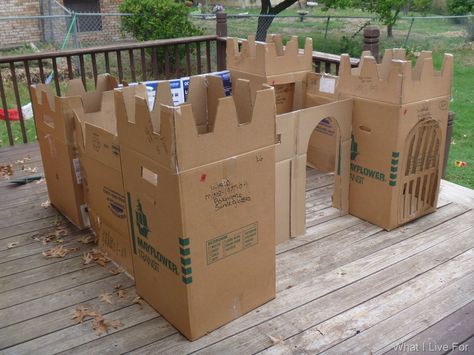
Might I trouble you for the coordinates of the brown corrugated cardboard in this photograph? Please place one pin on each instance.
(99, 155)
(284, 67)
(55, 127)
(399, 124)
(307, 119)
(287, 69)
(198, 204)
(320, 89)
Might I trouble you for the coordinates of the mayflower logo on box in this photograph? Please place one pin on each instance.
(142, 222)
(141, 247)
(358, 172)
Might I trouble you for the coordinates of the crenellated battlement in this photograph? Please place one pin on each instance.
(185, 136)
(54, 114)
(395, 80)
(269, 58)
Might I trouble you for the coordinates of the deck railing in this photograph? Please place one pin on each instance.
(139, 61)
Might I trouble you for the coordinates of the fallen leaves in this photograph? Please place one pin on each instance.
(58, 252)
(88, 239)
(97, 256)
(56, 236)
(106, 297)
(116, 270)
(275, 340)
(6, 170)
(45, 204)
(99, 324)
(12, 245)
(138, 300)
(121, 294)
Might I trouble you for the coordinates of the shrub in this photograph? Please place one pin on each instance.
(157, 19)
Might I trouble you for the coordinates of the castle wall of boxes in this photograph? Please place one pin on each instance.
(189, 183)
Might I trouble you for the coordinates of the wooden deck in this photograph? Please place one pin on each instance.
(345, 287)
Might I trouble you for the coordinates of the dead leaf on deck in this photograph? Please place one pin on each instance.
(40, 181)
(88, 239)
(116, 270)
(121, 294)
(118, 286)
(45, 204)
(275, 340)
(30, 170)
(138, 300)
(12, 245)
(6, 170)
(115, 323)
(106, 297)
(81, 313)
(99, 257)
(58, 252)
(87, 258)
(99, 325)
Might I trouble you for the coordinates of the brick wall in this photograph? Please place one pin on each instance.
(14, 32)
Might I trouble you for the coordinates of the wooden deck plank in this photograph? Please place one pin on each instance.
(59, 319)
(326, 334)
(35, 260)
(451, 331)
(341, 268)
(464, 348)
(76, 335)
(402, 326)
(317, 286)
(62, 299)
(52, 286)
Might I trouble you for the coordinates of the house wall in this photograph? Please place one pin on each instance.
(14, 32)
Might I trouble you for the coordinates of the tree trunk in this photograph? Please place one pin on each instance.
(264, 23)
(389, 30)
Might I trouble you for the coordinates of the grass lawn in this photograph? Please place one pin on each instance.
(462, 146)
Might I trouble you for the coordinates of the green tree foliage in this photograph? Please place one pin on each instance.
(422, 6)
(460, 7)
(387, 11)
(157, 19)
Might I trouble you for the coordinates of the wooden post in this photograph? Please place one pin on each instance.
(371, 41)
(447, 146)
(221, 32)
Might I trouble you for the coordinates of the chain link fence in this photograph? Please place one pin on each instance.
(56, 27)
(344, 34)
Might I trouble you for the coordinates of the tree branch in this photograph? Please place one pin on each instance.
(281, 6)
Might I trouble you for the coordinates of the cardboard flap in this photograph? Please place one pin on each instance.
(75, 87)
(389, 55)
(197, 97)
(79, 133)
(243, 100)
(276, 39)
(106, 82)
(368, 68)
(215, 91)
(163, 95)
(419, 64)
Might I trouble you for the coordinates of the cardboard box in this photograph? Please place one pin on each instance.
(203, 240)
(55, 126)
(287, 69)
(399, 128)
(284, 67)
(99, 155)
